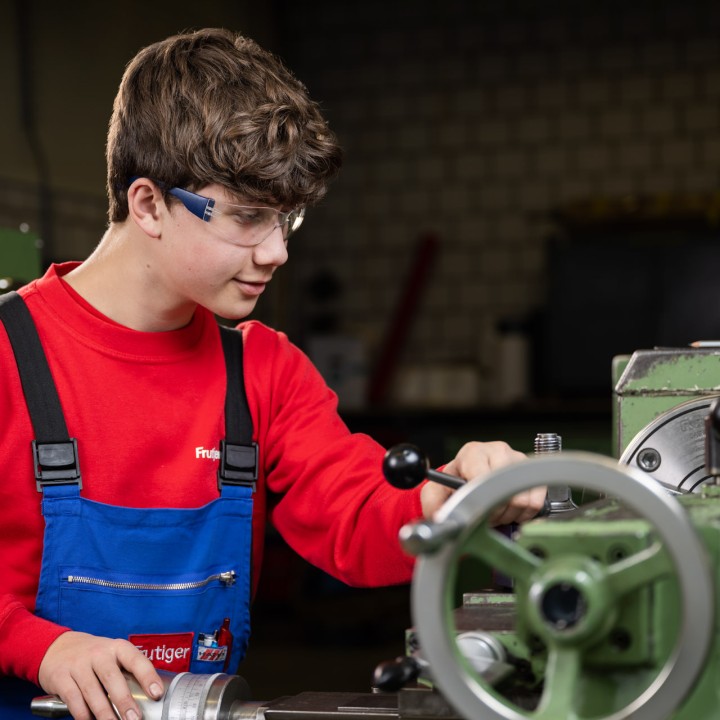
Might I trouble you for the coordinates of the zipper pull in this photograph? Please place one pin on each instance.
(227, 578)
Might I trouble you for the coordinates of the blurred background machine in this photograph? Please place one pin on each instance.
(20, 257)
(606, 608)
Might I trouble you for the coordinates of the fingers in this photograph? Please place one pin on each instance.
(142, 670)
(81, 690)
(432, 496)
(520, 508)
(72, 696)
(86, 672)
(473, 463)
(115, 685)
(93, 686)
(476, 459)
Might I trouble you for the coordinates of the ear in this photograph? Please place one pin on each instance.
(146, 206)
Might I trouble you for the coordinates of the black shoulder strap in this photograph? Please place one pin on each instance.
(238, 452)
(238, 423)
(37, 382)
(54, 452)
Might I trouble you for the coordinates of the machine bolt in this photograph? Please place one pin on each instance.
(559, 497)
(648, 459)
(547, 443)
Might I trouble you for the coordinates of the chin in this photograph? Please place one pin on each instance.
(234, 311)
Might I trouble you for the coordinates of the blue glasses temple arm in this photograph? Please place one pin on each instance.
(196, 204)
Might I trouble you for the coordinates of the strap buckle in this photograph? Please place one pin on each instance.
(56, 463)
(238, 465)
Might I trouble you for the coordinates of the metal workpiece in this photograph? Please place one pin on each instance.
(572, 602)
(49, 706)
(188, 696)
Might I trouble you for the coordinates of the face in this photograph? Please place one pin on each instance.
(202, 267)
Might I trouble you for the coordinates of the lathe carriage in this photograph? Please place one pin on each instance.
(604, 609)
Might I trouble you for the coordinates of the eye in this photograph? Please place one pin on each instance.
(247, 216)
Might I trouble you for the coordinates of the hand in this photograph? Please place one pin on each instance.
(473, 462)
(85, 670)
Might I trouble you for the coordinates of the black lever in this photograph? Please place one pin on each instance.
(405, 466)
(392, 675)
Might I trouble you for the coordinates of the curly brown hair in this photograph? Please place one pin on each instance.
(211, 106)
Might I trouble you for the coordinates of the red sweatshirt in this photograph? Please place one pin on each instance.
(147, 410)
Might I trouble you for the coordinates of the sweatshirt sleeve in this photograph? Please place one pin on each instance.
(24, 639)
(329, 499)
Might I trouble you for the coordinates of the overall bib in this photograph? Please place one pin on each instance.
(175, 582)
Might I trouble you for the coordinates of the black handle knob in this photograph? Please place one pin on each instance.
(405, 466)
(392, 675)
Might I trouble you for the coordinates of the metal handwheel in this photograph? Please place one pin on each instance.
(441, 543)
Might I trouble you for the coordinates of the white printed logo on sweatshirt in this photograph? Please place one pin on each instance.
(204, 453)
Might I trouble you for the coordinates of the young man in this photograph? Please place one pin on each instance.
(132, 510)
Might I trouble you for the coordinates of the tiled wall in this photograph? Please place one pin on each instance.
(473, 120)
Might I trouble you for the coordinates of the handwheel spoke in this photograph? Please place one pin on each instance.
(561, 685)
(503, 554)
(639, 569)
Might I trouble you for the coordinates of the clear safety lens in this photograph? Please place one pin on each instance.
(248, 226)
(240, 224)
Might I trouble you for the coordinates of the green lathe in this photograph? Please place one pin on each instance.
(611, 606)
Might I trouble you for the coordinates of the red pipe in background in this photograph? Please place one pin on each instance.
(405, 312)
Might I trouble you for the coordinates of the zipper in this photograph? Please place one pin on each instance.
(226, 578)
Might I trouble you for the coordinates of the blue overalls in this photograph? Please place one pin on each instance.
(175, 582)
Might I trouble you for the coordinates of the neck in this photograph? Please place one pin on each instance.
(121, 282)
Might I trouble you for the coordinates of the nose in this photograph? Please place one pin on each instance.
(272, 250)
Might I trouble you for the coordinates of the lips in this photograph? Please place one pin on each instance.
(252, 287)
